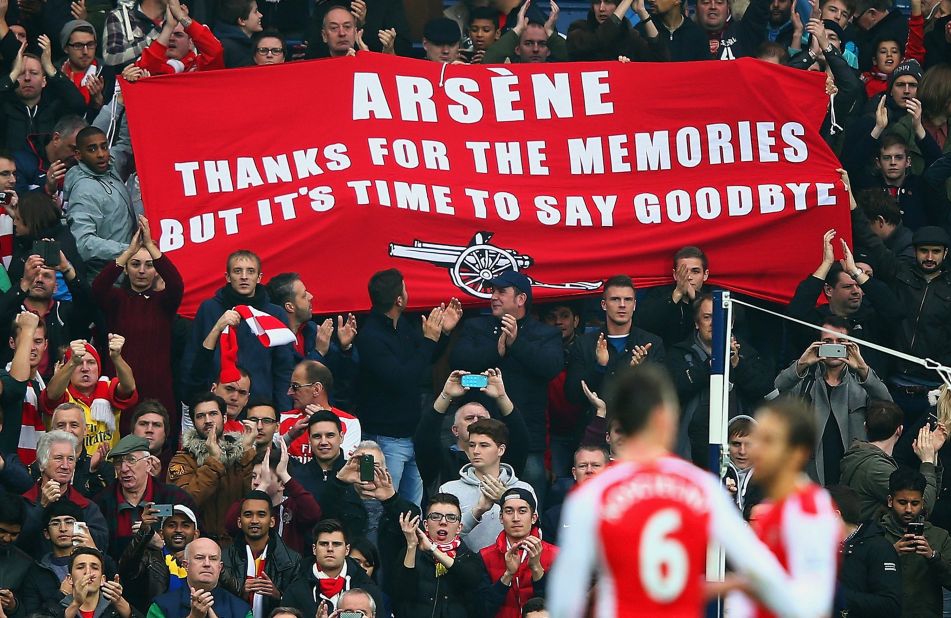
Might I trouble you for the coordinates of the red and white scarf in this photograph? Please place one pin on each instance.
(330, 588)
(270, 331)
(32, 426)
(255, 569)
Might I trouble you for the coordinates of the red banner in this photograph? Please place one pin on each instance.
(568, 172)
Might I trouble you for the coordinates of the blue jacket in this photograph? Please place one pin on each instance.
(177, 604)
(270, 368)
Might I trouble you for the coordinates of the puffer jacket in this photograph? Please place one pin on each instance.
(211, 482)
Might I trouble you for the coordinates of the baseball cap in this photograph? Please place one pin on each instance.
(930, 235)
(519, 493)
(129, 444)
(512, 278)
(442, 31)
(187, 512)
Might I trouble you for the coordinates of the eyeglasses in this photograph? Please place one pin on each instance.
(296, 387)
(266, 421)
(130, 460)
(449, 517)
(79, 46)
(231, 390)
(274, 51)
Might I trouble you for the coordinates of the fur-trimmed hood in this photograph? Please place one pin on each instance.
(231, 447)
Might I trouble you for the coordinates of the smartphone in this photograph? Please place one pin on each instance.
(832, 350)
(474, 380)
(367, 468)
(348, 614)
(163, 510)
(932, 420)
(916, 528)
(467, 54)
(79, 527)
(6, 198)
(48, 250)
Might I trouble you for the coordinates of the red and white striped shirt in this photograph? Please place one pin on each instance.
(299, 449)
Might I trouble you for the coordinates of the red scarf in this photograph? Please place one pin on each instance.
(330, 587)
(31, 423)
(448, 548)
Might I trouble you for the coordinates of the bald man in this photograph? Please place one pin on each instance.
(201, 591)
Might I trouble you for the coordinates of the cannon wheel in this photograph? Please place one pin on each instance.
(477, 265)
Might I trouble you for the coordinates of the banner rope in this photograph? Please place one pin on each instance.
(943, 372)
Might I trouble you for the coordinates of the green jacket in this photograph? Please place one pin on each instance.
(922, 578)
(504, 49)
(866, 468)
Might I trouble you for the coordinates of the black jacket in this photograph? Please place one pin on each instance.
(281, 567)
(583, 363)
(689, 366)
(65, 322)
(848, 100)
(870, 574)
(741, 38)
(612, 38)
(892, 27)
(937, 47)
(658, 314)
(393, 364)
(59, 98)
(421, 591)
(925, 330)
(301, 593)
(381, 15)
(528, 366)
(15, 566)
(873, 321)
(687, 42)
(108, 502)
(438, 464)
(337, 500)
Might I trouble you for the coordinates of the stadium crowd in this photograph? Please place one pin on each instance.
(393, 464)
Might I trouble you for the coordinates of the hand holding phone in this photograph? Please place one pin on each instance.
(474, 380)
(367, 468)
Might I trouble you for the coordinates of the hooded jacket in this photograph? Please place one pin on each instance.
(870, 574)
(480, 533)
(866, 468)
(846, 402)
(270, 368)
(507, 601)
(922, 578)
(238, 50)
(100, 214)
(212, 483)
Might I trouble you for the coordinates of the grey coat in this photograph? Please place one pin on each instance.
(100, 214)
(847, 403)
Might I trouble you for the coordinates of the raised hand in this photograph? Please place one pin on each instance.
(600, 407)
(452, 314)
(78, 349)
(324, 332)
(432, 324)
(453, 386)
(924, 446)
(601, 351)
(359, 10)
(639, 354)
(46, 57)
(552, 20)
(115, 345)
(388, 40)
(881, 118)
(214, 449)
(409, 525)
(346, 331)
(828, 254)
(496, 387)
(809, 358)
(78, 9)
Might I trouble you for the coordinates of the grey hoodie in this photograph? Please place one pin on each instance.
(480, 533)
(100, 214)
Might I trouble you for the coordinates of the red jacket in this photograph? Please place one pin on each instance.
(210, 56)
(522, 588)
(877, 83)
